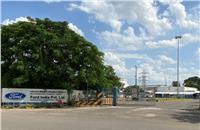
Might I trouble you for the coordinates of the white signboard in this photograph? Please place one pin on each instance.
(17, 95)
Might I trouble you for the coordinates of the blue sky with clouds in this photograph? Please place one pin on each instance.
(129, 33)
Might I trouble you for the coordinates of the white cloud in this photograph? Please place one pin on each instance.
(118, 65)
(198, 52)
(134, 56)
(142, 58)
(186, 39)
(158, 72)
(8, 21)
(153, 31)
(126, 40)
(158, 68)
(118, 62)
(178, 10)
(145, 13)
(52, 1)
(75, 29)
(161, 43)
(153, 73)
(167, 60)
(194, 13)
(116, 13)
(111, 59)
(186, 72)
(165, 13)
(170, 1)
(101, 10)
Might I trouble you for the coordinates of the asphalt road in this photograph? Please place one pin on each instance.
(102, 118)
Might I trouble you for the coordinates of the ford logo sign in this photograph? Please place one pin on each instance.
(15, 96)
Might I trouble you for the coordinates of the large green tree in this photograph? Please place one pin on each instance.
(47, 54)
(192, 82)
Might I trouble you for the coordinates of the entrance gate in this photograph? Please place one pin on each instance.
(116, 98)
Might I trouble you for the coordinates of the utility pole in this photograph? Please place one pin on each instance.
(178, 38)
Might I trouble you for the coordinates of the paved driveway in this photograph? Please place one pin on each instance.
(102, 118)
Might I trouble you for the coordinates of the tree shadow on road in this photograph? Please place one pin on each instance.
(190, 116)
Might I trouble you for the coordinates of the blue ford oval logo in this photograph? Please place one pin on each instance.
(15, 96)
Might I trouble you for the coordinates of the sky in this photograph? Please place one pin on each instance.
(128, 32)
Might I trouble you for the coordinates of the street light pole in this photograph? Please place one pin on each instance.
(178, 38)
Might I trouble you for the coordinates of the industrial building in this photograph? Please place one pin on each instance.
(182, 91)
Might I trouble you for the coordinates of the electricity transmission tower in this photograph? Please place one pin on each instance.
(137, 87)
(135, 75)
(165, 80)
(143, 79)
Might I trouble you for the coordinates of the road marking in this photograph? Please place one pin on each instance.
(147, 108)
(150, 115)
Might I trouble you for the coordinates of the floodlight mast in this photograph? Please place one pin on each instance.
(178, 38)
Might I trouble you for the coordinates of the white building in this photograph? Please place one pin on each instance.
(124, 82)
(171, 91)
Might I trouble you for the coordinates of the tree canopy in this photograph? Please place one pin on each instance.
(175, 83)
(192, 82)
(47, 54)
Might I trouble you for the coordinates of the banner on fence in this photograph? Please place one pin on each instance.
(17, 95)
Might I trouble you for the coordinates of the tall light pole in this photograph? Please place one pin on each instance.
(136, 82)
(135, 75)
(178, 38)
